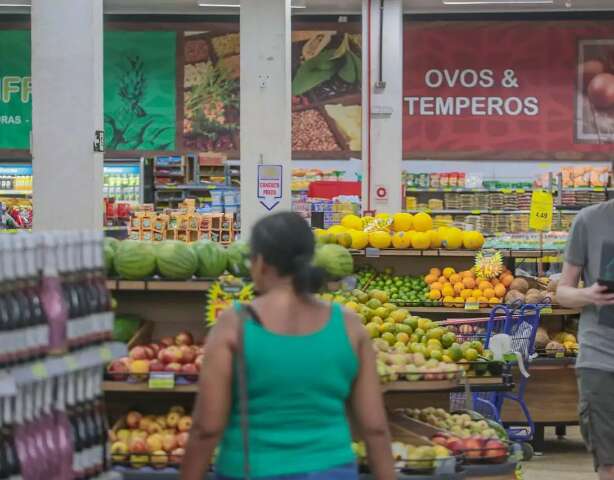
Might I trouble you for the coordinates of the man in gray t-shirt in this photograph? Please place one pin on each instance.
(590, 252)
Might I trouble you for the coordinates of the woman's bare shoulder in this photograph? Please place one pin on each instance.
(356, 331)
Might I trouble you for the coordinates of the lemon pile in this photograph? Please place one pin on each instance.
(400, 231)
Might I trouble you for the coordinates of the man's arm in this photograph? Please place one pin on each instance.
(569, 295)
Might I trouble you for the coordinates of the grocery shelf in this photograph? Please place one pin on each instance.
(111, 386)
(467, 212)
(460, 310)
(500, 190)
(529, 253)
(16, 193)
(159, 285)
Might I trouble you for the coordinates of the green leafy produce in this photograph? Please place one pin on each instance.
(336, 260)
(124, 327)
(314, 71)
(176, 260)
(347, 73)
(212, 259)
(135, 260)
(238, 259)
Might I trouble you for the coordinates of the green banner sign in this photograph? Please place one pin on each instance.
(140, 90)
(15, 90)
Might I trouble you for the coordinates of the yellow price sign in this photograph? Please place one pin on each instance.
(542, 206)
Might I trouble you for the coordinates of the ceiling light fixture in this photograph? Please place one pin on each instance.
(498, 2)
(235, 5)
(15, 5)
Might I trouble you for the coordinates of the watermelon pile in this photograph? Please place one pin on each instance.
(238, 259)
(135, 260)
(336, 260)
(175, 260)
(212, 259)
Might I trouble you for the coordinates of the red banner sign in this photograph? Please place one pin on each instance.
(508, 90)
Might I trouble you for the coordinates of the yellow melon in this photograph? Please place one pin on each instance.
(352, 222)
(360, 239)
(402, 222)
(401, 240)
(423, 222)
(421, 241)
(453, 239)
(380, 239)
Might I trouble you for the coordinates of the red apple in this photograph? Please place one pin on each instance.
(184, 424)
(184, 338)
(177, 455)
(172, 419)
(170, 354)
(119, 370)
(472, 447)
(182, 439)
(154, 428)
(137, 445)
(187, 354)
(138, 353)
(495, 450)
(455, 444)
(156, 366)
(167, 342)
(133, 418)
(173, 367)
(155, 347)
(440, 439)
(149, 352)
(169, 442)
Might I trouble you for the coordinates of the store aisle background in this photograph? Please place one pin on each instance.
(564, 459)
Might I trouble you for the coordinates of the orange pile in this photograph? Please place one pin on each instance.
(454, 289)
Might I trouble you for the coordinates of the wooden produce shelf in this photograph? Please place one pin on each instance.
(393, 252)
(462, 311)
(159, 285)
(110, 386)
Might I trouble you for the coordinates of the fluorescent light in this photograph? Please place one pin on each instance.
(235, 5)
(498, 2)
(15, 5)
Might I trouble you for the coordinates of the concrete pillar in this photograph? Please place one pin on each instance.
(265, 106)
(67, 98)
(385, 138)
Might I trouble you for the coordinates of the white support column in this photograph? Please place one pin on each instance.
(67, 99)
(265, 103)
(385, 135)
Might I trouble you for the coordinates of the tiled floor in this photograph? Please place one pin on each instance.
(565, 459)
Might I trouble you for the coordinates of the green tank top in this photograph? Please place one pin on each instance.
(298, 386)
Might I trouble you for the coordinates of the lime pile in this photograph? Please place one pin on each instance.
(403, 289)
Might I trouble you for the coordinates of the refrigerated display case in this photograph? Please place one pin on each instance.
(123, 181)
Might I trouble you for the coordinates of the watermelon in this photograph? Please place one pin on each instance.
(335, 259)
(111, 242)
(238, 259)
(211, 259)
(176, 260)
(125, 326)
(109, 253)
(135, 260)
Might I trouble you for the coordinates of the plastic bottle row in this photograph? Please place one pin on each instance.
(53, 295)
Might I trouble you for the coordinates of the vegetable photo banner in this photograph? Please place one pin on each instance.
(508, 90)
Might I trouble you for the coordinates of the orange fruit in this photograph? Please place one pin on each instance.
(459, 287)
(477, 292)
(489, 292)
(466, 293)
(484, 284)
(448, 272)
(459, 302)
(435, 294)
(500, 291)
(448, 301)
(507, 279)
(448, 290)
(430, 278)
(454, 278)
(468, 282)
(436, 285)
(471, 300)
(466, 273)
(495, 282)
(483, 301)
(435, 271)
(442, 279)
(494, 301)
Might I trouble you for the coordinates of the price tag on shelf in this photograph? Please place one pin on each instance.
(599, 189)
(547, 309)
(540, 217)
(161, 380)
(559, 355)
(372, 252)
(472, 306)
(520, 190)
(476, 212)
(506, 190)
(106, 354)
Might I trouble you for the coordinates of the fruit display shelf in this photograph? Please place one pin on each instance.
(507, 253)
(458, 310)
(200, 285)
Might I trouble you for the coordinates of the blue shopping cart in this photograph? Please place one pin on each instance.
(517, 325)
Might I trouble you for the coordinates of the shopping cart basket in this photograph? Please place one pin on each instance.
(520, 323)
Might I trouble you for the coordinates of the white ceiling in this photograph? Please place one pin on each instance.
(331, 7)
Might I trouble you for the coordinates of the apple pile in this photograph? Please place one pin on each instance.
(406, 456)
(179, 355)
(155, 440)
(474, 448)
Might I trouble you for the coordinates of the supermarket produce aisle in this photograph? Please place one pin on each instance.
(563, 459)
